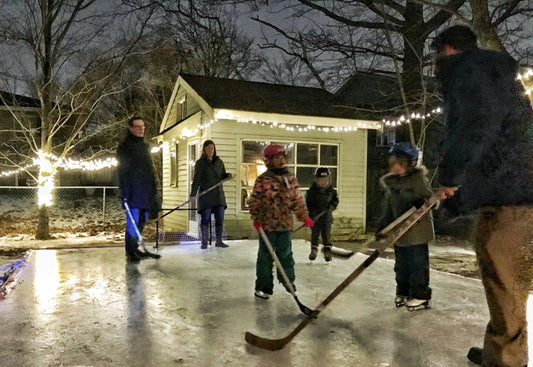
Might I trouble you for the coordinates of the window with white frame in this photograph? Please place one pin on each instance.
(174, 166)
(302, 160)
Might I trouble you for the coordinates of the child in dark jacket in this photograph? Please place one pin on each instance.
(406, 186)
(321, 200)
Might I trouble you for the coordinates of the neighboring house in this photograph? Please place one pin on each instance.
(241, 117)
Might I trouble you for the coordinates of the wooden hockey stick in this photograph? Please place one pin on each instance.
(395, 234)
(306, 310)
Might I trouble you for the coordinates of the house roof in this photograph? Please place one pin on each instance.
(17, 100)
(244, 95)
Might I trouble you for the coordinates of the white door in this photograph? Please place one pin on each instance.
(193, 153)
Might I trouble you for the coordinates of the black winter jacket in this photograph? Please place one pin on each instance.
(319, 199)
(206, 174)
(136, 175)
(489, 132)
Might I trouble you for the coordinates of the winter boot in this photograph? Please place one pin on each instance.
(415, 304)
(219, 243)
(205, 236)
(400, 300)
(327, 253)
(314, 250)
(475, 355)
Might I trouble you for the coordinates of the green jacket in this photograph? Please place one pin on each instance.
(402, 192)
(206, 174)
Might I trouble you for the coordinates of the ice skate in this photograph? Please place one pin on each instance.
(475, 355)
(260, 294)
(415, 304)
(314, 250)
(400, 300)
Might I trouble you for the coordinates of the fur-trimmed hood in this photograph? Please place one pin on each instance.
(394, 182)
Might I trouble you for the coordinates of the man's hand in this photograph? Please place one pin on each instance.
(309, 222)
(258, 226)
(445, 192)
(230, 176)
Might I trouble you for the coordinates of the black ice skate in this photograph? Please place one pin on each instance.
(415, 304)
(260, 294)
(312, 255)
(400, 300)
(327, 253)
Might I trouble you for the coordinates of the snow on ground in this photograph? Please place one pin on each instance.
(192, 307)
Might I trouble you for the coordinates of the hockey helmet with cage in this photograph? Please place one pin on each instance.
(273, 149)
(322, 172)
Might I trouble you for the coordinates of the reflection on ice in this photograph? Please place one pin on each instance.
(46, 281)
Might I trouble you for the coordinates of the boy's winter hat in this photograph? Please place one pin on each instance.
(273, 149)
(404, 150)
(322, 172)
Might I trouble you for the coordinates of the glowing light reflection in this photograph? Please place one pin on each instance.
(46, 281)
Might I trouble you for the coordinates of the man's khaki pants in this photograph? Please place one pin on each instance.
(504, 247)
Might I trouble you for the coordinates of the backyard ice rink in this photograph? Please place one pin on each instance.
(86, 307)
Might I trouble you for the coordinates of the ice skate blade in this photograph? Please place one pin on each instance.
(399, 304)
(424, 306)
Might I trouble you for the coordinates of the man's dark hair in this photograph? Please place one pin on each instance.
(460, 37)
(130, 121)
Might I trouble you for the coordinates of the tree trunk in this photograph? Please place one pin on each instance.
(488, 37)
(43, 229)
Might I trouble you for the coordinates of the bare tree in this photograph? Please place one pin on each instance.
(76, 49)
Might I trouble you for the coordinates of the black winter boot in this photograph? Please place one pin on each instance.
(475, 355)
(219, 243)
(327, 253)
(205, 236)
(314, 250)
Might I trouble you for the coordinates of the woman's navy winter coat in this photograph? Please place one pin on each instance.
(136, 174)
(206, 174)
(488, 147)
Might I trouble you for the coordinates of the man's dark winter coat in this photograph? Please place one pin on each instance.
(402, 192)
(206, 174)
(488, 147)
(136, 175)
(319, 199)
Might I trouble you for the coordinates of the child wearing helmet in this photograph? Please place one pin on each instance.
(321, 200)
(275, 198)
(405, 186)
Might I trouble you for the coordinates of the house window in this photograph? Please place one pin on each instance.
(386, 137)
(174, 166)
(302, 160)
(183, 109)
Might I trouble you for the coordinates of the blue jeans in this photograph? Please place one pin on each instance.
(219, 215)
(140, 216)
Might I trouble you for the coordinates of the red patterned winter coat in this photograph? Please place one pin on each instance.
(274, 200)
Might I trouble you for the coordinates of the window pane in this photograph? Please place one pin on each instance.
(333, 177)
(307, 153)
(306, 176)
(290, 151)
(328, 155)
(252, 151)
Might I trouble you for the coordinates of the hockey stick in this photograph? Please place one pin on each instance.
(304, 309)
(139, 237)
(391, 239)
(197, 196)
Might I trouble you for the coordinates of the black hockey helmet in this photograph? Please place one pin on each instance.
(322, 172)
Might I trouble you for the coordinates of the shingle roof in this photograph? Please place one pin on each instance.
(17, 100)
(266, 97)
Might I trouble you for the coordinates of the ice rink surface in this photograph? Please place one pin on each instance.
(87, 307)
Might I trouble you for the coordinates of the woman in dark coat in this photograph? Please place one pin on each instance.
(208, 171)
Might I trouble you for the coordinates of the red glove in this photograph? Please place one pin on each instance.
(309, 222)
(258, 226)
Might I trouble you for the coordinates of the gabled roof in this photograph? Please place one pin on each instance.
(244, 95)
(17, 100)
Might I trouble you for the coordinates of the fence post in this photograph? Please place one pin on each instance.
(103, 204)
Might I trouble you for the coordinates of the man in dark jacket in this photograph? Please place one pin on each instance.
(488, 167)
(137, 184)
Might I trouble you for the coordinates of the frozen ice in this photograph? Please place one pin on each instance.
(87, 307)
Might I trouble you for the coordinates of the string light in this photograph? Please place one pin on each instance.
(307, 128)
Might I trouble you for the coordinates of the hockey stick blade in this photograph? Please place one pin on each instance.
(275, 344)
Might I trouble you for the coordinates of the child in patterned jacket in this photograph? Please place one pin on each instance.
(275, 197)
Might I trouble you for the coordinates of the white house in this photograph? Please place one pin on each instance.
(242, 117)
